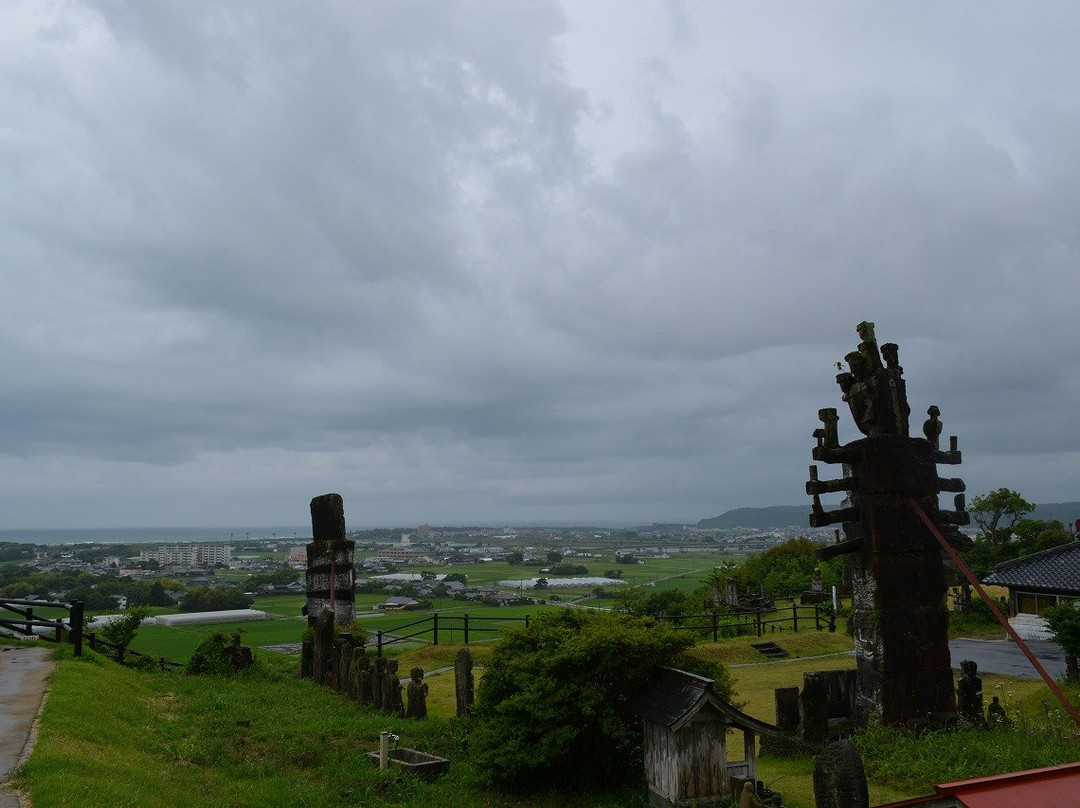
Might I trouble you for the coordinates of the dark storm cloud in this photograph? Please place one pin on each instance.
(482, 262)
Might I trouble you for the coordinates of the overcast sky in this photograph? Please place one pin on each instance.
(520, 262)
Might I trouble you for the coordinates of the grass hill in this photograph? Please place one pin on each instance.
(777, 516)
(763, 518)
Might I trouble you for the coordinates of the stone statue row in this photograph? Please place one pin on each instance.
(379, 686)
(350, 671)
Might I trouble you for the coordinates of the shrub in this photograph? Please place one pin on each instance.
(553, 701)
(220, 654)
(121, 630)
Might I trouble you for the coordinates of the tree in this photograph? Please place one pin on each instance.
(1064, 623)
(554, 556)
(997, 512)
(121, 630)
(541, 583)
(514, 558)
(553, 701)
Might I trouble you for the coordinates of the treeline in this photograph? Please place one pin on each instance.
(97, 592)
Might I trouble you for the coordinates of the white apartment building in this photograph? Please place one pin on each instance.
(195, 554)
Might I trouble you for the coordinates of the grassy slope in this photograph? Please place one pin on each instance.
(120, 737)
(112, 736)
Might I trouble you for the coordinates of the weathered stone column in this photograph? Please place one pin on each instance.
(330, 590)
(901, 618)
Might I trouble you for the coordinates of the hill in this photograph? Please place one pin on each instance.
(763, 518)
(1064, 512)
(786, 515)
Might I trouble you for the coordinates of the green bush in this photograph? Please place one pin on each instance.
(121, 630)
(553, 702)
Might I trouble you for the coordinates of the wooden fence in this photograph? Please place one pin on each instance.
(25, 621)
(434, 622)
(717, 624)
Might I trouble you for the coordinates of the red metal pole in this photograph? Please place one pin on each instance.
(955, 556)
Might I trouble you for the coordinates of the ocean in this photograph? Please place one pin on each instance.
(142, 535)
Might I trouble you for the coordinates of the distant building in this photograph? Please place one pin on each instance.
(1037, 582)
(191, 554)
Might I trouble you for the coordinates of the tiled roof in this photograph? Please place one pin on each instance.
(1056, 570)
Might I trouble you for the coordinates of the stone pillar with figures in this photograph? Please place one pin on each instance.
(901, 617)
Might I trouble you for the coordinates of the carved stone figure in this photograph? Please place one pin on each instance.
(995, 714)
(901, 640)
(391, 690)
(365, 693)
(748, 798)
(377, 679)
(839, 777)
(969, 696)
(417, 694)
(463, 682)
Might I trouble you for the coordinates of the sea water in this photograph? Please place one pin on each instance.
(143, 535)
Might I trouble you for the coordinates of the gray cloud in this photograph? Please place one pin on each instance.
(467, 262)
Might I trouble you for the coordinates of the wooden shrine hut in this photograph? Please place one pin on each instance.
(687, 728)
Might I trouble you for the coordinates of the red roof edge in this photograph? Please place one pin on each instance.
(996, 779)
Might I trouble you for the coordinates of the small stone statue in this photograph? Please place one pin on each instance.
(817, 585)
(391, 690)
(932, 426)
(969, 696)
(995, 714)
(749, 797)
(361, 677)
(417, 694)
(463, 682)
(839, 777)
(377, 679)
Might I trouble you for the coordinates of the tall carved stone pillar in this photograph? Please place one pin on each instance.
(901, 618)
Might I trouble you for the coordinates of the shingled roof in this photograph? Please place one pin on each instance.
(674, 697)
(1056, 570)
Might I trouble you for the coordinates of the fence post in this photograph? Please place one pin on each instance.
(435, 628)
(714, 627)
(794, 616)
(817, 617)
(758, 625)
(466, 624)
(378, 643)
(526, 622)
(76, 619)
(29, 617)
(92, 637)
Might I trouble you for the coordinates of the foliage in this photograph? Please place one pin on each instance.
(514, 558)
(788, 567)
(122, 630)
(460, 577)
(1063, 621)
(907, 760)
(1027, 536)
(568, 569)
(626, 558)
(214, 599)
(209, 656)
(996, 512)
(553, 701)
(358, 635)
(645, 603)
(281, 577)
(554, 556)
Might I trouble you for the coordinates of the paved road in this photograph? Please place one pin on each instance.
(1004, 657)
(22, 687)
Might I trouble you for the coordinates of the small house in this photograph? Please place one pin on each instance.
(1035, 583)
(687, 729)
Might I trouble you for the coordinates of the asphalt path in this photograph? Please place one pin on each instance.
(23, 671)
(1004, 657)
